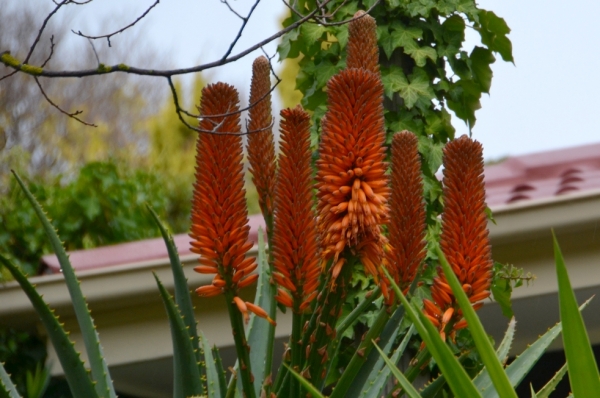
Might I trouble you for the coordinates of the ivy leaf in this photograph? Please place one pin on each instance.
(312, 32)
(420, 54)
(420, 7)
(493, 31)
(326, 69)
(481, 59)
(404, 36)
(463, 99)
(432, 152)
(286, 48)
(393, 80)
(413, 91)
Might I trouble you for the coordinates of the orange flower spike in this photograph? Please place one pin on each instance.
(220, 228)
(407, 215)
(362, 50)
(351, 180)
(464, 238)
(261, 149)
(296, 260)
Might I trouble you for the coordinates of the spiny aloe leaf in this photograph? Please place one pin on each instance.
(551, 385)
(363, 381)
(374, 390)
(7, 388)
(77, 376)
(486, 351)
(357, 312)
(100, 373)
(506, 344)
(406, 385)
(186, 375)
(212, 373)
(533, 394)
(305, 383)
(457, 377)
(583, 370)
(220, 370)
(259, 334)
(182, 292)
(522, 364)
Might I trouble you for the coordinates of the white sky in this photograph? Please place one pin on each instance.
(547, 100)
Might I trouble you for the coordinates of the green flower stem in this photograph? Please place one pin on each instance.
(273, 307)
(296, 350)
(241, 346)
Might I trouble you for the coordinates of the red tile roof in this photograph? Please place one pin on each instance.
(543, 175)
(536, 176)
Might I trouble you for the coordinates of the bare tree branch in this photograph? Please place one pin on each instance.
(232, 10)
(108, 36)
(12, 62)
(37, 39)
(51, 52)
(239, 34)
(71, 115)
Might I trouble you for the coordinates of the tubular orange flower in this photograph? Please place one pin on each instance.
(362, 50)
(464, 239)
(351, 180)
(407, 215)
(261, 149)
(295, 234)
(220, 228)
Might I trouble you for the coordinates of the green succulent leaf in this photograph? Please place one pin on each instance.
(402, 380)
(100, 373)
(583, 370)
(7, 388)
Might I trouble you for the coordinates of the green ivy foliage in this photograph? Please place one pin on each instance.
(103, 204)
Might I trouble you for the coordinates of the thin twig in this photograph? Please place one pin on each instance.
(94, 50)
(37, 39)
(170, 72)
(292, 9)
(71, 115)
(232, 10)
(51, 51)
(108, 36)
(239, 34)
(353, 18)
(180, 112)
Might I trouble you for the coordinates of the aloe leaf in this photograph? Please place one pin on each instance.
(485, 348)
(522, 364)
(259, 333)
(457, 377)
(312, 390)
(212, 374)
(551, 385)
(186, 375)
(507, 340)
(357, 312)
(376, 386)
(77, 376)
(7, 387)
(220, 370)
(100, 373)
(533, 394)
(583, 370)
(363, 380)
(406, 385)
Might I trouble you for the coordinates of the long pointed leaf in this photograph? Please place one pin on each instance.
(7, 387)
(186, 375)
(583, 370)
(506, 343)
(522, 364)
(312, 390)
(212, 376)
(91, 340)
(551, 385)
(406, 385)
(486, 351)
(182, 292)
(77, 376)
(376, 387)
(259, 330)
(457, 377)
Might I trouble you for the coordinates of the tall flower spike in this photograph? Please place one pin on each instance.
(407, 213)
(220, 228)
(351, 181)
(261, 149)
(362, 50)
(295, 248)
(464, 239)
